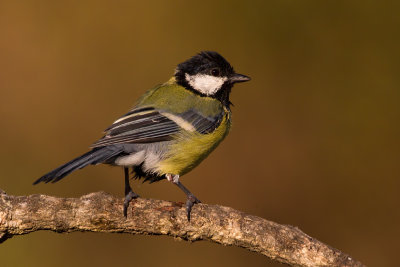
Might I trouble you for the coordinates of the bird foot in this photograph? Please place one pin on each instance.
(191, 200)
(128, 198)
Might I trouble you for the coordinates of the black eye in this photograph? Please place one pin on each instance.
(215, 72)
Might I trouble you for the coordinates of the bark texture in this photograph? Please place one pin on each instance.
(101, 212)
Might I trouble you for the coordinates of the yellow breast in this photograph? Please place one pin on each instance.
(191, 148)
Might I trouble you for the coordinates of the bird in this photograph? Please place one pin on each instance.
(170, 129)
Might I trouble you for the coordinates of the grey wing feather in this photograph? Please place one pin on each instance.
(148, 125)
(203, 124)
(145, 125)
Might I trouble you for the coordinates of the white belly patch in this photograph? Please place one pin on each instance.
(132, 159)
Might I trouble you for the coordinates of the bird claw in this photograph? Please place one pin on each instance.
(128, 198)
(191, 200)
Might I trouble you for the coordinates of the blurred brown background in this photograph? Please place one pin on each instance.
(315, 141)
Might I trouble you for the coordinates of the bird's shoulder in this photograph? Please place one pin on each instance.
(174, 98)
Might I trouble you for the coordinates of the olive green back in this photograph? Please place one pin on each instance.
(176, 99)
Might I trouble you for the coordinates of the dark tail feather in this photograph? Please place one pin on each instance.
(96, 155)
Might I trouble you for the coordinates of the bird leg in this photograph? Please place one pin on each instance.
(129, 194)
(191, 199)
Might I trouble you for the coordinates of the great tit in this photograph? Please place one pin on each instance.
(170, 130)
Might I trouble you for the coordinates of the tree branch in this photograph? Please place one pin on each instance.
(101, 212)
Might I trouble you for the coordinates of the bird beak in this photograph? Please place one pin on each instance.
(239, 78)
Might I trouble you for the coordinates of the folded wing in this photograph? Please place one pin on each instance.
(148, 125)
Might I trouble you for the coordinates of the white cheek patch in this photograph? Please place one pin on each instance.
(204, 83)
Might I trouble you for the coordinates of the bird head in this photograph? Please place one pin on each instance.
(209, 74)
